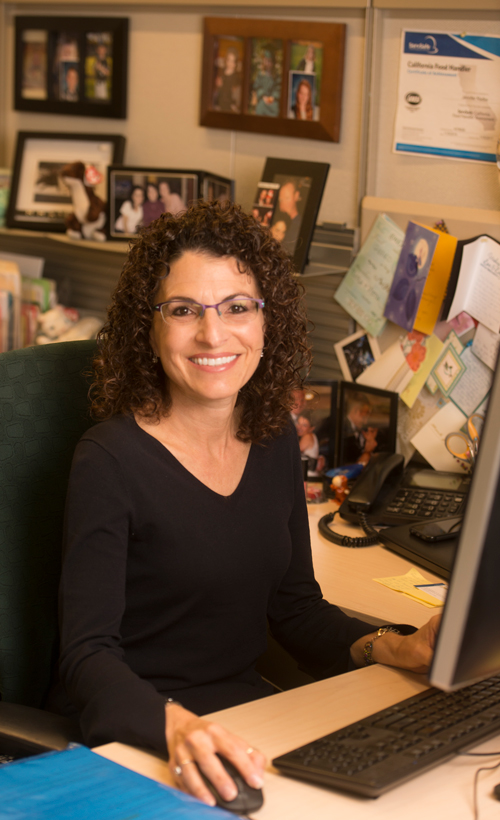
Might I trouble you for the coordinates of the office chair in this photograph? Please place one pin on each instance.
(43, 413)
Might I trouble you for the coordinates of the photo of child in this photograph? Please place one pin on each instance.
(228, 64)
(266, 77)
(98, 66)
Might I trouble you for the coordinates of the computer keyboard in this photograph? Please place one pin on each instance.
(379, 752)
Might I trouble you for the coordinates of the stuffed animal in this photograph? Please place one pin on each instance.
(89, 216)
(60, 324)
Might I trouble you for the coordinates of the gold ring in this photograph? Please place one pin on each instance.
(250, 751)
(185, 762)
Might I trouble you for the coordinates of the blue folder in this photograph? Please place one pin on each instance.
(77, 784)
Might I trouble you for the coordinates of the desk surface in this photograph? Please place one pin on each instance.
(346, 575)
(281, 722)
(289, 719)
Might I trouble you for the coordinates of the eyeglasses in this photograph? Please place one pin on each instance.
(232, 311)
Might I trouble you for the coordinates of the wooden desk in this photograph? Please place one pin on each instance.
(284, 721)
(346, 575)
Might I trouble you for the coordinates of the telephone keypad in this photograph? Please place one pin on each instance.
(425, 504)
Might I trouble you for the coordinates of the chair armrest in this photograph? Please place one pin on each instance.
(26, 731)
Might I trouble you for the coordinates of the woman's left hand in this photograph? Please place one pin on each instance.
(413, 652)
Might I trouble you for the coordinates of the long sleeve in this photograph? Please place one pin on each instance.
(114, 702)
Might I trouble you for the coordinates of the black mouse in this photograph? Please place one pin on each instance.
(247, 799)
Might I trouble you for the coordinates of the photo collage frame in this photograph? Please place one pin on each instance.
(277, 77)
(71, 65)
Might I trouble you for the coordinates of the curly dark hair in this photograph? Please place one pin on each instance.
(129, 381)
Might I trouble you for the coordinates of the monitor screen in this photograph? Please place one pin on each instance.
(468, 644)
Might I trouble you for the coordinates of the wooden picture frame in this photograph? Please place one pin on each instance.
(39, 201)
(71, 65)
(136, 195)
(255, 72)
(378, 411)
(301, 188)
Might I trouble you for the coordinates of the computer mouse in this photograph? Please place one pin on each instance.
(247, 799)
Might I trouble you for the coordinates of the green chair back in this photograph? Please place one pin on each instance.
(43, 413)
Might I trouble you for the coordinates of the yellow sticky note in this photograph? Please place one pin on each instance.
(406, 585)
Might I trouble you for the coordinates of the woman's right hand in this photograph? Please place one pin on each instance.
(193, 740)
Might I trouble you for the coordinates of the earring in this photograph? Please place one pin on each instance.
(155, 358)
(262, 353)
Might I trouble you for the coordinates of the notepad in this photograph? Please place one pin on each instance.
(77, 784)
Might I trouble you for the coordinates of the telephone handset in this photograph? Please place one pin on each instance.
(382, 473)
(383, 470)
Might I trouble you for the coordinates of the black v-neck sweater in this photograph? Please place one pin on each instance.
(166, 585)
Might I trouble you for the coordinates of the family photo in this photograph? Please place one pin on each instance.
(137, 199)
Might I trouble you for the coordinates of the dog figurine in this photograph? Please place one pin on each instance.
(89, 210)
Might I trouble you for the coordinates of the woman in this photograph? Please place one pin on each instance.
(309, 444)
(131, 212)
(153, 206)
(186, 521)
(302, 108)
(227, 96)
(171, 201)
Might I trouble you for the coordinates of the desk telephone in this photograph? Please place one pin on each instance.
(390, 495)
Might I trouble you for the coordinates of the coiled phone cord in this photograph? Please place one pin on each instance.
(347, 540)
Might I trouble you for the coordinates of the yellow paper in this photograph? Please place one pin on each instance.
(406, 585)
(433, 349)
(436, 282)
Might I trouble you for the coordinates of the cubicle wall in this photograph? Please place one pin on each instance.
(164, 95)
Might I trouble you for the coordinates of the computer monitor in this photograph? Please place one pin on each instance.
(468, 644)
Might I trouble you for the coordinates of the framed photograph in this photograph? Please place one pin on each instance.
(216, 187)
(266, 77)
(301, 186)
(314, 415)
(355, 353)
(367, 421)
(39, 199)
(71, 65)
(264, 205)
(138, 196)
(273, 77)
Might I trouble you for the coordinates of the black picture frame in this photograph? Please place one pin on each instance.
(308, 180)
(317, 402)
(184, 187)
(71, 65)
(37, 200)
(383, 414)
